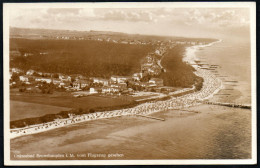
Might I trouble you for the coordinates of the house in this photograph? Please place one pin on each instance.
(156, 81)
(62, 84)
(30, 72)
(119, 85)
(101, 81)
(42, 79)
(144, 84)
(16, 70)
(56, 81)
(64, 77)
(27, 54)
(158, 52)
(80, 84)
(137, 76)
(93, 90)
(119, 79)
(110, 90)
(24, 78)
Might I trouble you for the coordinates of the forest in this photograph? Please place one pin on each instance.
(178, 73)
(87, 57)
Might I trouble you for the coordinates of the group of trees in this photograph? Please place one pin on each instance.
(89, 58)
(178, 73)
(47, 87)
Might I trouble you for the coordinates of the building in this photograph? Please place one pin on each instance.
(16, 70)
(137, 76)
(158, 52)
(119, 85)
(30, 72)
(110, 90)
(24, 78)
(80, 84)
(144, 84)
(64, 77)
(156, 81)
(42, 79)
(103, 81)
(119, 79)
(56, 81)
(93, 90)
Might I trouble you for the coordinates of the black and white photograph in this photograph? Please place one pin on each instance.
(129, 83)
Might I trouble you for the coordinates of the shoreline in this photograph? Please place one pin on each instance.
(211, 86)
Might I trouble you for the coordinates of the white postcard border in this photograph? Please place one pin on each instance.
(11, 6)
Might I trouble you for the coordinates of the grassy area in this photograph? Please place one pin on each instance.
(67, 100)
(29, 109)
(86, 57)
(20, 110)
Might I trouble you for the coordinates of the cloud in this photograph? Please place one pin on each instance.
(218, 17)
(131, 15)
(62, 11)
(162, 20)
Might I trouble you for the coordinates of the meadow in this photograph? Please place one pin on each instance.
(66, 99)
(20, 110)
(28, 109)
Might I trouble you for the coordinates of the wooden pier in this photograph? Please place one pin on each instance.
(244, 106)
(191, 111)
(150, 117)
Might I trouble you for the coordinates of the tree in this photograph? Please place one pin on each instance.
(72, 79)
(15, 77)
(56, 75)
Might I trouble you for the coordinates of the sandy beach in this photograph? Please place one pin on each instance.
(183, 135)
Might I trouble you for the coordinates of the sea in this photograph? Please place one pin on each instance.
(202, 132)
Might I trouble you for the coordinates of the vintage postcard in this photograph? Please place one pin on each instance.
(129, 83)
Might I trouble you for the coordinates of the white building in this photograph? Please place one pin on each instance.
(119, 79)
(101, 80)
(137, 76)
(40, 79)
(110, 89)
(24, 78)
(92, 90)
(30, 72)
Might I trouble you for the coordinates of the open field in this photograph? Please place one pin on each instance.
(67, 100)
(20, 110)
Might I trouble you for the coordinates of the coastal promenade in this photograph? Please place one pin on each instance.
(210, 87)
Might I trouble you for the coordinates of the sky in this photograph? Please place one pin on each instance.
(186, 22)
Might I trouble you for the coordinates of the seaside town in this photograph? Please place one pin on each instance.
(79, 86)
(93, 83)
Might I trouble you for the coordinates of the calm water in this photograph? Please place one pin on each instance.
(235, 65)
(215, 133)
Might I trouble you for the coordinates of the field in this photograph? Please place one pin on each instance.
(68, 101)
(86, 57)
(20, 110)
